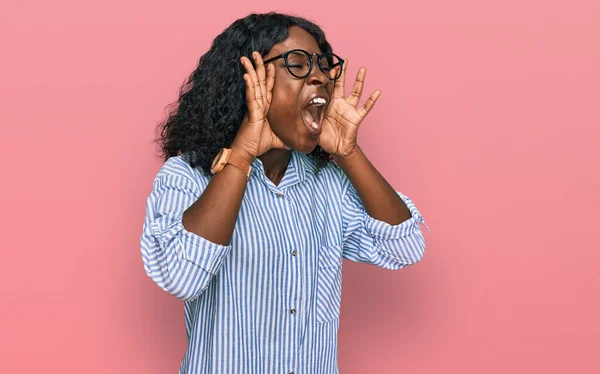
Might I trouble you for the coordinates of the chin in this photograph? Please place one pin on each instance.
(301, 139)
(305, 145)
(307, 151)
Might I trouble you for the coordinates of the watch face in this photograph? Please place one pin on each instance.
(218, 160)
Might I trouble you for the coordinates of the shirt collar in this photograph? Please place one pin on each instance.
(298, 166)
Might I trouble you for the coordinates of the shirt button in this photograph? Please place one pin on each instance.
(280, 195)
(294, 253)
(293, 311)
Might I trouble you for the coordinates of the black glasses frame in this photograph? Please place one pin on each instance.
(310, 64)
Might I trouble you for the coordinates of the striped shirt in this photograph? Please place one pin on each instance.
(270, 301)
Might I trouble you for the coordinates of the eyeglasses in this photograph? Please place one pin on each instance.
(300, 63)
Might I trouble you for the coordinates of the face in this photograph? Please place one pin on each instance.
(292, 116)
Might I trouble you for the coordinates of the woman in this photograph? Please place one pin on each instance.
(252, 238)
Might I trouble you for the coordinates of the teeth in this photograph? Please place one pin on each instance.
(318, 101)
(314, 124)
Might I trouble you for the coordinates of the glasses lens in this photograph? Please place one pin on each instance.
(328, 62)
(298, 63)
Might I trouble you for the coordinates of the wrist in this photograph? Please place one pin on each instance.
(340, 159)
(242, 152)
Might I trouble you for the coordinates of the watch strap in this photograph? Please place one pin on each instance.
(239, 162)
(227, 156)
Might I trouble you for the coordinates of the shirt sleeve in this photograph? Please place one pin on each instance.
(368, 240)
(179, 261)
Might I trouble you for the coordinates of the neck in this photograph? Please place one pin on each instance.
(275, 162)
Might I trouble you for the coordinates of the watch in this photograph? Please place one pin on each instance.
(226, 156)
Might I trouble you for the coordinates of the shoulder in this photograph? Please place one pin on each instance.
(333, 172)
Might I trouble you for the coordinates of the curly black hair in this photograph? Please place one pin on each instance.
(212, 101)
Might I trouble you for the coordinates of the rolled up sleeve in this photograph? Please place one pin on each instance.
(370, 240)
(179, 261)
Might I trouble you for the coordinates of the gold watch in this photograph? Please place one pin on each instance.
(226, 156)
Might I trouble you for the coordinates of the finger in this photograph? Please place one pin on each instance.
(270, 82)
(253, 107)
(252, 74)
(357, 88)
(365, 109)
(260, 73)
(338, 88)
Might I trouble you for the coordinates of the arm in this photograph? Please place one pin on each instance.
(189, 224)
(214, 214)
(177, 258)
(380, 225)
(379, 198)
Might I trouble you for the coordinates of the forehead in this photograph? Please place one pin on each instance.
(298, 38)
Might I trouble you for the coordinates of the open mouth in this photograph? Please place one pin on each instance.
(313, 114)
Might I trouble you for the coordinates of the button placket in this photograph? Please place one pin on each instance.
(294, 303)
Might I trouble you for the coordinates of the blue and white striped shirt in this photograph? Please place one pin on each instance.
(269, 302)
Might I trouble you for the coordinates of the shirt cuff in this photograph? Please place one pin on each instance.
(171, 236)
(384, 230)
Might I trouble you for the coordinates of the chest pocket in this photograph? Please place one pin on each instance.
(329, 283)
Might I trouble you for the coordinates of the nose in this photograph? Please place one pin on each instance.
(316, 76)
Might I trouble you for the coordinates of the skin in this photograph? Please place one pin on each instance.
(273, 126)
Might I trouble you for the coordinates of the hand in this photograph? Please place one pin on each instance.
(342, 119)
(255, 136)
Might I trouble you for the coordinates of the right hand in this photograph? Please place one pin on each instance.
(255, 135)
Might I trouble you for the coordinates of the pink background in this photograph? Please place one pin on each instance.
(489, 120)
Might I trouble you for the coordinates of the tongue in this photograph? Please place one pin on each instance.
(311, 115)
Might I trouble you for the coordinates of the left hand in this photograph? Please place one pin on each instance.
(342, 119)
